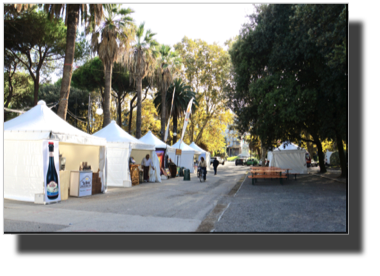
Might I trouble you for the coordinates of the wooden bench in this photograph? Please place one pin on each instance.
(264, 175)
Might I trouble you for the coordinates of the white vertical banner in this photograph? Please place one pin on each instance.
(186, 121)
(167, 128)
(52, 192)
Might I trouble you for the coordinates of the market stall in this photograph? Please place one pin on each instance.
(186, 159)
(35, 143)
(289, 156)
(204, 154)
(161, 148)
(120, 147)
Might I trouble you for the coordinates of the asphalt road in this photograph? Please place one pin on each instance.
(174, 205)
(227, 202)
(309, 204)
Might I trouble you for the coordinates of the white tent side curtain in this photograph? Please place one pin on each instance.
(290, 159)
(23, 166)
(186, 160)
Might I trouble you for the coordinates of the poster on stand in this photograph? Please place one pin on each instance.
(51, 171)
(85, 183)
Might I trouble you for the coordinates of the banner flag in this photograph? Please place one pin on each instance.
(187, 115)
(167, 128)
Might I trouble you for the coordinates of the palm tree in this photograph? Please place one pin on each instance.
(168, 64)
(116, 34)
(91, 12)
(182, 97)
(141, 63)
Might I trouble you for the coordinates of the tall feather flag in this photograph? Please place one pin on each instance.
(167, 128)
(187, 115)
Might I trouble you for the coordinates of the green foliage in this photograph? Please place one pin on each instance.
(77, 105)
(232, 158)
(89, 76)
(207, 68)
(183, 95)
(334, 158)
(283, 81)
(36, 42)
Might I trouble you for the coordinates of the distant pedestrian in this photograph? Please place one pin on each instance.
(215, 164)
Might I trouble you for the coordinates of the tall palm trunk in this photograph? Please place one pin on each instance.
(175, 123)
(72, 23)
(119, 110)
(163, 114)
(107, 94)
(138, 115)
(131, 107)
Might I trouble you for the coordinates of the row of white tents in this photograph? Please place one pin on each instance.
(107, 151)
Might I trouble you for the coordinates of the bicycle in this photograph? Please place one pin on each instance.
(201, 176)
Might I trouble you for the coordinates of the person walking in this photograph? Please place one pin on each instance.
(215, 163)
(145, 163)
(202, 167)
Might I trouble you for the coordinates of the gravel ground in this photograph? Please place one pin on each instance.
(309, 204)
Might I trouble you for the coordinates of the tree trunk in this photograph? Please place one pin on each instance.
(322, 168)
(263, 154)
(309, 145)
(347, 160)
(342, 158)
(258, 153)
(163, 114)
(10, 94)
(107, 94)
(175, 124)
(131, 113)
(72, 23)
(36, 88)
(138, 115)
(119, 110)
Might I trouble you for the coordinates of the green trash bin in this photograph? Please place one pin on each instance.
(181, 171)
(186, 175)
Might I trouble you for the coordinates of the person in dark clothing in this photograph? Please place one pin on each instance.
(215, 164)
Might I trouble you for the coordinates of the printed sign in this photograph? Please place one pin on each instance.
(85, 183)
(178, 152)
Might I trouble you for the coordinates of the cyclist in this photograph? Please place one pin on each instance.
(202, 166)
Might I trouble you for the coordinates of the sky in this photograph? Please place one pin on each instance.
(172, 22)
(208, 22)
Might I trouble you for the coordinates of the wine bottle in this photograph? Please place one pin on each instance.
(52, 186)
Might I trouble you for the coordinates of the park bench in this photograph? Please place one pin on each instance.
(264, 174)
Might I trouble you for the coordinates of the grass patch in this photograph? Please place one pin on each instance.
(232, 158)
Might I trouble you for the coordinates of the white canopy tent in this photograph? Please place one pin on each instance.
(160, 146)
(186, 159)
(205, 154)
(24, 137)
(120, 147)
(270, 157)
(327, 156)
(289, 156)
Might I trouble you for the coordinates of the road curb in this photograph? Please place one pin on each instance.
(207, 225)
